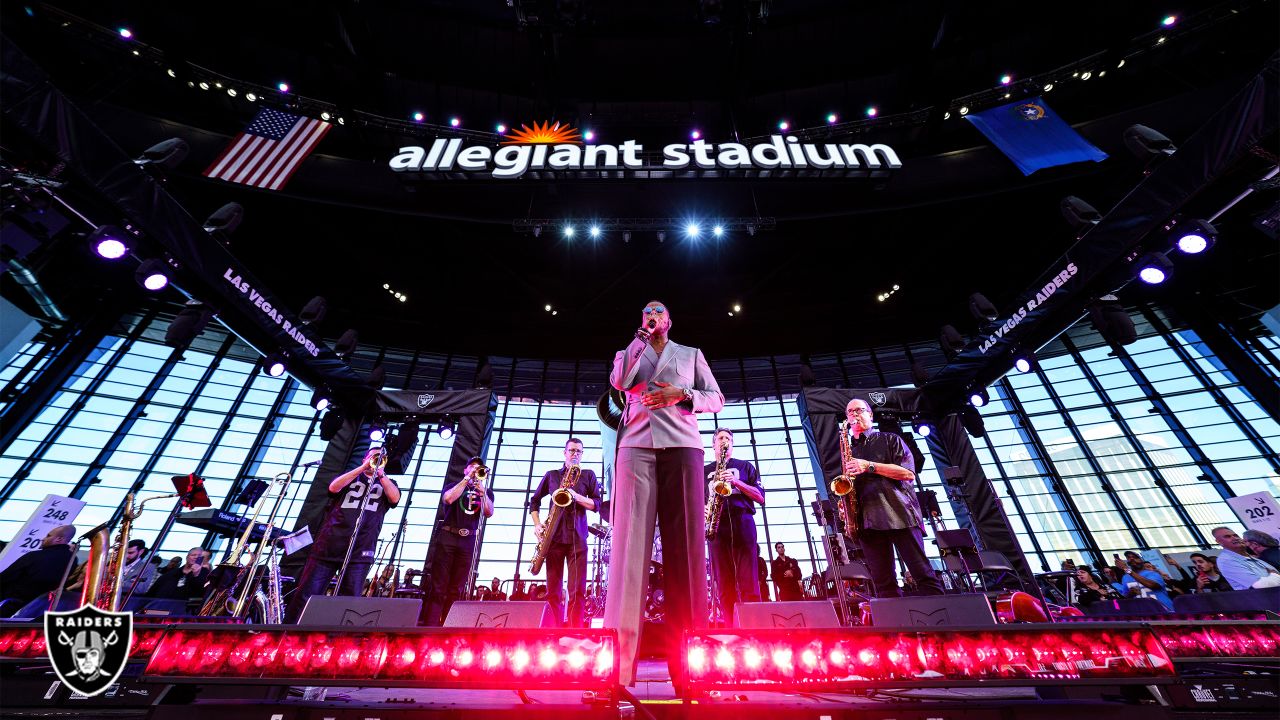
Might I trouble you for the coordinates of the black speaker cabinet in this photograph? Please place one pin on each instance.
(517, 614)
(963, 610)
(361, 612)
(802, 614)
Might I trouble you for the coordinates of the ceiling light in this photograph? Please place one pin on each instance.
(1168, 20)
(547, 308)
(737, 308)
(231, 92)
(108, 242)
(1023, 363)
(204, 85)
(251, 97)
(320, 400)
(274, 364)
(979, 398)
(718, 230)
(127, 34)
(152, 274)
(872, 111)
(445, 431)
(1006, 79)
(454, 122)
(832, 118)
(921, 428)
(589, 135)
(1048, 87)
(1153, 268)
(595, 231)
(500, 129)
(568, 231)
(692, 230)
(419, 117)
(964, 109)
(1195, 237)
(171, 73)
(695, 134)
(283, 87)
(377, 432)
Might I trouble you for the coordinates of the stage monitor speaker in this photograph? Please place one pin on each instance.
(791, 614)
(361, 611)
(517, 614)
(963, 610)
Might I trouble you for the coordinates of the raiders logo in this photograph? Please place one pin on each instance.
(878, 398)
(425, 399)
(88, 647)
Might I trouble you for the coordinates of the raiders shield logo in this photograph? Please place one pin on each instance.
(88, 647)
(878, 397)
(425, 399)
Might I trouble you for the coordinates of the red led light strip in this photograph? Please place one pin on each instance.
(853, 657)
(1253, 640)
(27, 642)
(490, 658)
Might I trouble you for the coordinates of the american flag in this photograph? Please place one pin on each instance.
(268, 152)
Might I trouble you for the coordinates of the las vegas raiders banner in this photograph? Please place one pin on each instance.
(88, 647)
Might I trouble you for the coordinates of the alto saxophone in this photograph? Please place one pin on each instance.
(720, 490)
(843, 488)
(560, 499)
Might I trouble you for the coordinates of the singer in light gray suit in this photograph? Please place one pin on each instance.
(659, 472)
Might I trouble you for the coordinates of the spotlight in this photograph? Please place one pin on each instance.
(1048, 87)
(662, 235)
(973, 422)
(946, 115)
(274, 364)
(454, 122)
(1006, 79)
(225, 219)
(152, 274)
(718, 231)
(1112, 321)
(595, 231)
(982, 309)
(784, 126)
(979, 398)
(589, 135)
(500, 129)
(446, 429)
(1147, 144)
(568, 231)
(547, 308)
(1153, 268)
(232, 93)
(1079, 214)
(626, 236)
(737, 308)
(320, 400)
(127, 34)
(692, 230)
(872, 111)
(832, 118)
(1168, 21)
(204, 85)
(341, 121)
(188, 325)
(964, 109)
(166, 154)
(171, 73)
(1086, 75)
(1194, 237)
(251, 97)
(921, 428)
(108, 242)
(951, 340)
(314, 311)
(696, 135)
(1023, 363)
(283, 87)
(330, 424)
(377, 432)
(346, 344)
(419, 117)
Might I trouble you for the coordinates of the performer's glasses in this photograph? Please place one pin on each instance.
(655, 309)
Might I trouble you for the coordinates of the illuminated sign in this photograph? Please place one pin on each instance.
(557, 148)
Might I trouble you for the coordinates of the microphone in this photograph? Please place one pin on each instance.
(313, 463)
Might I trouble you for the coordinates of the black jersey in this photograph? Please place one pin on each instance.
(363, 494)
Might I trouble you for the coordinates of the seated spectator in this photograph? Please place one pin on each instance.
(1141, 582)
(539, 592)
(519, 593)
(1208, 579)
(38, 571)
(1169, 582)
(187, 583)
(1264, 546)
(1112, 578)
(134, 567)
(1238, 567)
(494, 591)
(1090, 590)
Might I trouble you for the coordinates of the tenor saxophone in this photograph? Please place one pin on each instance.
(560, 499)
(843, 488)
(720, 491)
(104, 569)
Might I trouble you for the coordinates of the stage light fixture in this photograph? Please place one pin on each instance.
(1120, 64)
(1006, 79)
(718, 231)
(972, 421)
(231, 92)
(1169, 20)
(1086, 75)
(191, 84)
(982, 309)
(188, 324)
(695, 134)
(568, 231)
(737, 308)
(454, 122)
(204, 85)
(167, 154)
(1048, 87)
(127, 34)
(500, 129)
(1024, 363)
(314, 311)
(964, 109)
(341, 121)
(275, 364)
(225, 219)
(832, 118)
(919, 374)
(1112, 321)
(547, 308)
(595, 232)
(1079, 214)
(784, 126)
(419, 117)
(872, 111)
(589, 135)
(377, 432)
(979, 398)
(251, 97)
(1147, 144)
(283, 87)
(152, 274)
(692, 230)
(1193, 237)
(662, 235)
(325, 116)
(170, 72)
(320, 400)
(626, 236)
(1153, 268)
(108, 242)
(921, 428)
(946, 115)
(346, 343)
(446, 429)
(951, 340)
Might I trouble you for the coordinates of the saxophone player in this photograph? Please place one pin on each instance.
(884, 472)
(567, 545)
(733, 546)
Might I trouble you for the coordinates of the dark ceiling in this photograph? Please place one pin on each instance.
(958, 218)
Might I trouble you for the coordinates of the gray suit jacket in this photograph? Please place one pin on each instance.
(636, 368)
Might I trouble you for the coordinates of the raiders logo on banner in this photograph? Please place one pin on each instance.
(88, 647)
(878, 398)
(425, 399)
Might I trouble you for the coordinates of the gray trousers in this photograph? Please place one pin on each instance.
(666, 484)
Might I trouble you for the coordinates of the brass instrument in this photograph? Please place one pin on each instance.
(843, 488)
(720, 491)
(384, 582)
(379, 460)
(250, 570)
(560, 499)
(104, 569)
(226, 577)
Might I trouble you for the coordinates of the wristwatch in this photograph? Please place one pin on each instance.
(688, 395)
(871, 468)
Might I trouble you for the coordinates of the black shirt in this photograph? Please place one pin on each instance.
(738, 503)
(340, 522)
(178, 585)
(884, 503)
(573, 519)
(780, 566)
(1085, 595)
(464, 513)
(35, 573)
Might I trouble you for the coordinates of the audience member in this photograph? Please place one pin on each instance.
(494, 591)
(1264, 546)
(38, 571)
(135, 568)
(1069, 565)
(519, 592)
(186, 583)
(1238, 567)
(1090, 590)
(1208, 579)
(1141, 582)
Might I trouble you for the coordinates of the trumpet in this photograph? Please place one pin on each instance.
(480, 475)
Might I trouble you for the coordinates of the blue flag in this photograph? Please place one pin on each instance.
(1033, 136)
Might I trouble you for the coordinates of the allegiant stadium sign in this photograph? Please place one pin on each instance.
(560, 152)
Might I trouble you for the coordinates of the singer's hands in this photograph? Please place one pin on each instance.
(664, 395)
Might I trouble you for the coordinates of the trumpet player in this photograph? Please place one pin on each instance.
(459, 522)
(733, 546)
(365, 488)
(567, 546)
(884, 479)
